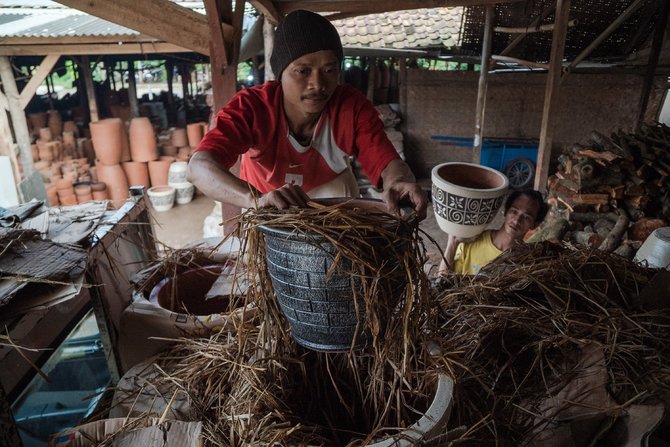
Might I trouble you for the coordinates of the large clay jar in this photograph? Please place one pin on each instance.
(466, 197)
(137, 173)
(194, 134)
(142, 140)
(107, 138)
(125, 143)
(37, 121)
(117, 184)
(158, 172)
(179, 137)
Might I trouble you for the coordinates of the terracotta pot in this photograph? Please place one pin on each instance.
(83, 198)
(184, 153)
(98, 186)
(187, 292)
(70, 126)
(170, 149)
(179, 137)
(64, 184)
(68, 199)
(137, 173)
(82, 190)
(53, 198)
(161, 197)
(466, 197)
(142, 140)
(158, 172)
(125, 144)
(100, 195)
(55, 123)
(35, 153)
(37, 121)
(45, 153)
(45, 134)
(107, 138)
(117, 184)
(194, 133)
(169, 158)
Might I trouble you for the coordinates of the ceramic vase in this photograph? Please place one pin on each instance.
(137, 173)
(142, 140)
(107, 135)
(466, 197)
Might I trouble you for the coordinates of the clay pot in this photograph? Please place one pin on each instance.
(64, 184)
(100, 195)
(35, 153)
(158, 172)
(70, 199)
(70, 126)
(125, 144)
(177, 172)
(55, 123)
(82, 190)
(107, 138)
(179, 137)
(169, 158)
(98, 186)
(45, 153)
(183, 192)
(161, 197)
(184, 153)
(45, 134)
(170, 149)
(37, 121)
(142, 140)
(52, 196)
(466, 197)
(137, 173)
(187, 292)
(83, 198)
(194, 133)
(117, 184)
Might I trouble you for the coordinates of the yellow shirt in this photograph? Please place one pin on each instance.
(472, 256)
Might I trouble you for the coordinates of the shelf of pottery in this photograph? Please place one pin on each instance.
(77, 169)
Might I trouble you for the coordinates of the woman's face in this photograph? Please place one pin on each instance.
(309, 81)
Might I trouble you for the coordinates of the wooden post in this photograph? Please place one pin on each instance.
(551, 94)
(18, 117)
(268, 44)
(657, 43)
(183, 72)
(90, 89)
(38, 76)
(483, 84)
(132, 90)
(402, 92)
(372, 74)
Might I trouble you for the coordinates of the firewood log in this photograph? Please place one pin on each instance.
(613, 239)
(552, 230)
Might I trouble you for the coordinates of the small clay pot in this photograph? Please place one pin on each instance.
(161, 197)
(177, 172)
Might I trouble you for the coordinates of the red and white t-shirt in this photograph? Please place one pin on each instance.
(253, 125)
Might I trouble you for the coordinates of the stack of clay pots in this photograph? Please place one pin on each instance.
(111, 148)
(177, 179)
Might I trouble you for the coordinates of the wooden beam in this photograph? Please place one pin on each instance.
(132, 91)
(97, 49)
(379, 6)
(72, 40)
(19, 123)
(605, 34)
(267, 8)
(40, 74)
(90, 89)
(551, 94)
(483, 84)
(514, 60)
(535, 22)
(268, 44)
(530, 29)
(657, 43)
(162, 19)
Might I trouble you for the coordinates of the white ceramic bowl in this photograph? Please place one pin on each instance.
(177, 172)
(466, 197)
(655, 250)
(161, 197)
(183, 192)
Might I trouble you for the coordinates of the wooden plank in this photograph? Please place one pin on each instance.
(218, 58)
(40, 74)
(530, 29)
(78, 40)
(483, 84)
(357, 7)
(161, 19)
(514, 60)
(88, 49)
(548, 10)
(18, 117)
(657, 43)
(551, 94)
(90, 89)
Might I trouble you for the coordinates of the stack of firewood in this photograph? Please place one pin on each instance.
(614, 188)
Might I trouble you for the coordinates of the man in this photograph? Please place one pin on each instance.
(296, 135)
(524, 210)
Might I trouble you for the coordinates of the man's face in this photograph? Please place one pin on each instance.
(309, 81)
(520, 216)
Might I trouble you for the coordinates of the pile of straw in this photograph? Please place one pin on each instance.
(514, 336)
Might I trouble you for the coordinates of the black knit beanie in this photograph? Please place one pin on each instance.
(303, 32)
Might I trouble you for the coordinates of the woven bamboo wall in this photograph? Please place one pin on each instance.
(444, 103)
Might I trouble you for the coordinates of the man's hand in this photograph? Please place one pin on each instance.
(400, 188)
(284, 198)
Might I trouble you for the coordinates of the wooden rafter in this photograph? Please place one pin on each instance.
(90, 49)
(357, 7)
(162, 19)
(40, 74)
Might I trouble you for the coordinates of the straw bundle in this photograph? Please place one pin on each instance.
(518, 335)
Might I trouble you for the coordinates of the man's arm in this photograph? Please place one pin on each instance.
(218, 183)
(399, 186)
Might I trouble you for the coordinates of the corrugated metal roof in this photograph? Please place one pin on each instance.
(428, 28)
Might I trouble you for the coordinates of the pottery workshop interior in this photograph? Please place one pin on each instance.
(334, 223)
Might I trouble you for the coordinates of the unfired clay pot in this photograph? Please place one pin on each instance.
(137, 173)
(142, 140)
(466, 197)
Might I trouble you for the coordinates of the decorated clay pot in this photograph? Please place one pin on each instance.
(161, 197)
(183, 192)
(142, 140)
(107, 138)
(137, 173)
(466, 197)
(177, 172)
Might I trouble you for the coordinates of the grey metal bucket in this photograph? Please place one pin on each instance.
(321, 309)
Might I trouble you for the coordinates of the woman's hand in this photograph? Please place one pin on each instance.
(284, 198)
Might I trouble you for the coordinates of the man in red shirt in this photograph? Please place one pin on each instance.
(296, 135)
